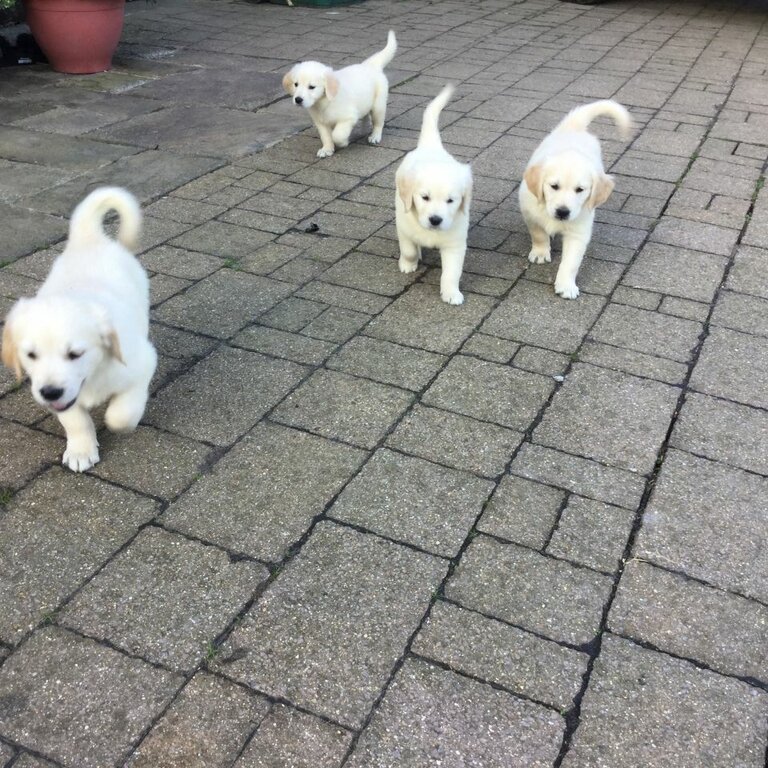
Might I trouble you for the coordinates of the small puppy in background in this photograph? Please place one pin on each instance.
(83, 338)
(336, 100)
(434, 192)
(563, 184)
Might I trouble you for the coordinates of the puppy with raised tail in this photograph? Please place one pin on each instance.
(83, 338)
(336, 100)
(563, 184)
(434, 192)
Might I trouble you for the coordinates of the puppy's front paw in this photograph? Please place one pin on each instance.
(452, 297)
(323, 152)
(80, 458)
(539, 256)
(374, 138)
(408, 265)
(567, 290)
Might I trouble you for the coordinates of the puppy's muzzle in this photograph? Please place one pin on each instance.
(562, 213)
(435, 221)
(298, 99)
(50, 393)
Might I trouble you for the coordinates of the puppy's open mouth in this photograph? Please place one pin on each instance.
(61, 407)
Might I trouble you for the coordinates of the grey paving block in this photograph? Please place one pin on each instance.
(6, 753)
(55, 534)
(59, 683)
(348, 298)
(532, 591)
(686, 618)
(695, 235)
(206, 726)
(179, 344)
(291, 346)
(411, 500)
(424, 701)
(647, 710)
(651, 333)
(676, 271)
(25, 451)
(25, 231)
(608, 416)
(244, 385)
(328, 632)
(142, 600)
(336, 324)
(733, 365)
(591, 533)
(263, 518)
(522, 511)
(634, 363)
(292, 314)
(533, 314)
(489, 392)
(490, 348)
(741, 313)
(634, 297)
(748, 273)
(501, 654)
(728, 432)
(344, 407)
(457, 441)
(544, 361)
(419, 318)
(691, 310)
(706, 520)
(218, 238)
(370, 273)
(292, 738)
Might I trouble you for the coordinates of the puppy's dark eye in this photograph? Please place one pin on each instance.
(555, 186)
(449, 200)
(312, 87)
(74, 355)
(32, 355)
(425, 198)
(579, 190)
(295, 85)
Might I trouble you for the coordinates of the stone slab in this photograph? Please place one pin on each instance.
(20, 466)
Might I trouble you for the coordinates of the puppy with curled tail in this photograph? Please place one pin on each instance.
(434, 192)
(563, 184)
(83, 339)
(336, 100)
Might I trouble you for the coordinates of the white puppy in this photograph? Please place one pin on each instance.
(83, 338)
(434, 192)
(336, 100)
(563, 184)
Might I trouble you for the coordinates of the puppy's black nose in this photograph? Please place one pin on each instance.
(298, 99)
(435, 221)
(562, 213)
(51, 393)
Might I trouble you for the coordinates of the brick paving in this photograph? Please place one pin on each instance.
(359, 527)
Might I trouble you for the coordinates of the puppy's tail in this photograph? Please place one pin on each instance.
(430, 130)
(385, 55)
(87, 222)
(579, 119)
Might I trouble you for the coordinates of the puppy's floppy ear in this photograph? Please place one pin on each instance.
(405, 185)
(10, 348)
(466, 197)
(107, 333)
(288, 82)
(602, 187)
(331, 85)
(534, 180)
(112, 343)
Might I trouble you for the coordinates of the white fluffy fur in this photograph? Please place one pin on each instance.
(434, 192)
(336, 100)
(563, 184)
(83, 338)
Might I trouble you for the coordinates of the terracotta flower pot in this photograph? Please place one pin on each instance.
(77, 36)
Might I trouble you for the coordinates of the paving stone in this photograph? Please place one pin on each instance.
(206, 726)
(26, 760)
(292, 314)
(344, 407)
(591, 533)
(162, 287)
(733, 365)
(59, 682)
(490, 348)
(648, 332)
(676, 614)
(55, 534)
(645, 709)
(697, 236)
(457, 441)
(530, 314)
(489, 392)
(741, 313)
(254, 501)
(608, 416)
(543, 361)
(595, 275)
(327, 633)
(748, 273)
(386, 362)
(336, 324)
(636, 298)
(634, 363)
(419, 318)
(532, 591)
(692, 310)
(676, 271)
(267, 258)
(370, 273)
(292, 738)
(290, 346)
(19, 466)
(244, 385)
(218, 238)
(411, 500)
(6, 753)
(142, 600)
(424, 701)
(522, 511)
(347, 298)
(498, 653)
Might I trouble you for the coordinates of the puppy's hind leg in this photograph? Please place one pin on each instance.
(378, 112)
(126, 408)
(540, 247)
(82, 450)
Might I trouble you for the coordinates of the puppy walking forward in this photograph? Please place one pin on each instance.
(336, 100)
(434, 193)
(563, 184)
(83, 339)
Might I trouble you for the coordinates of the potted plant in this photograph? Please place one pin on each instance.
(77, 36)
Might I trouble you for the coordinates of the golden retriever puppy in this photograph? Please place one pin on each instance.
(82, 339)
(563, 184)
(434, 192)
(336, 100)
